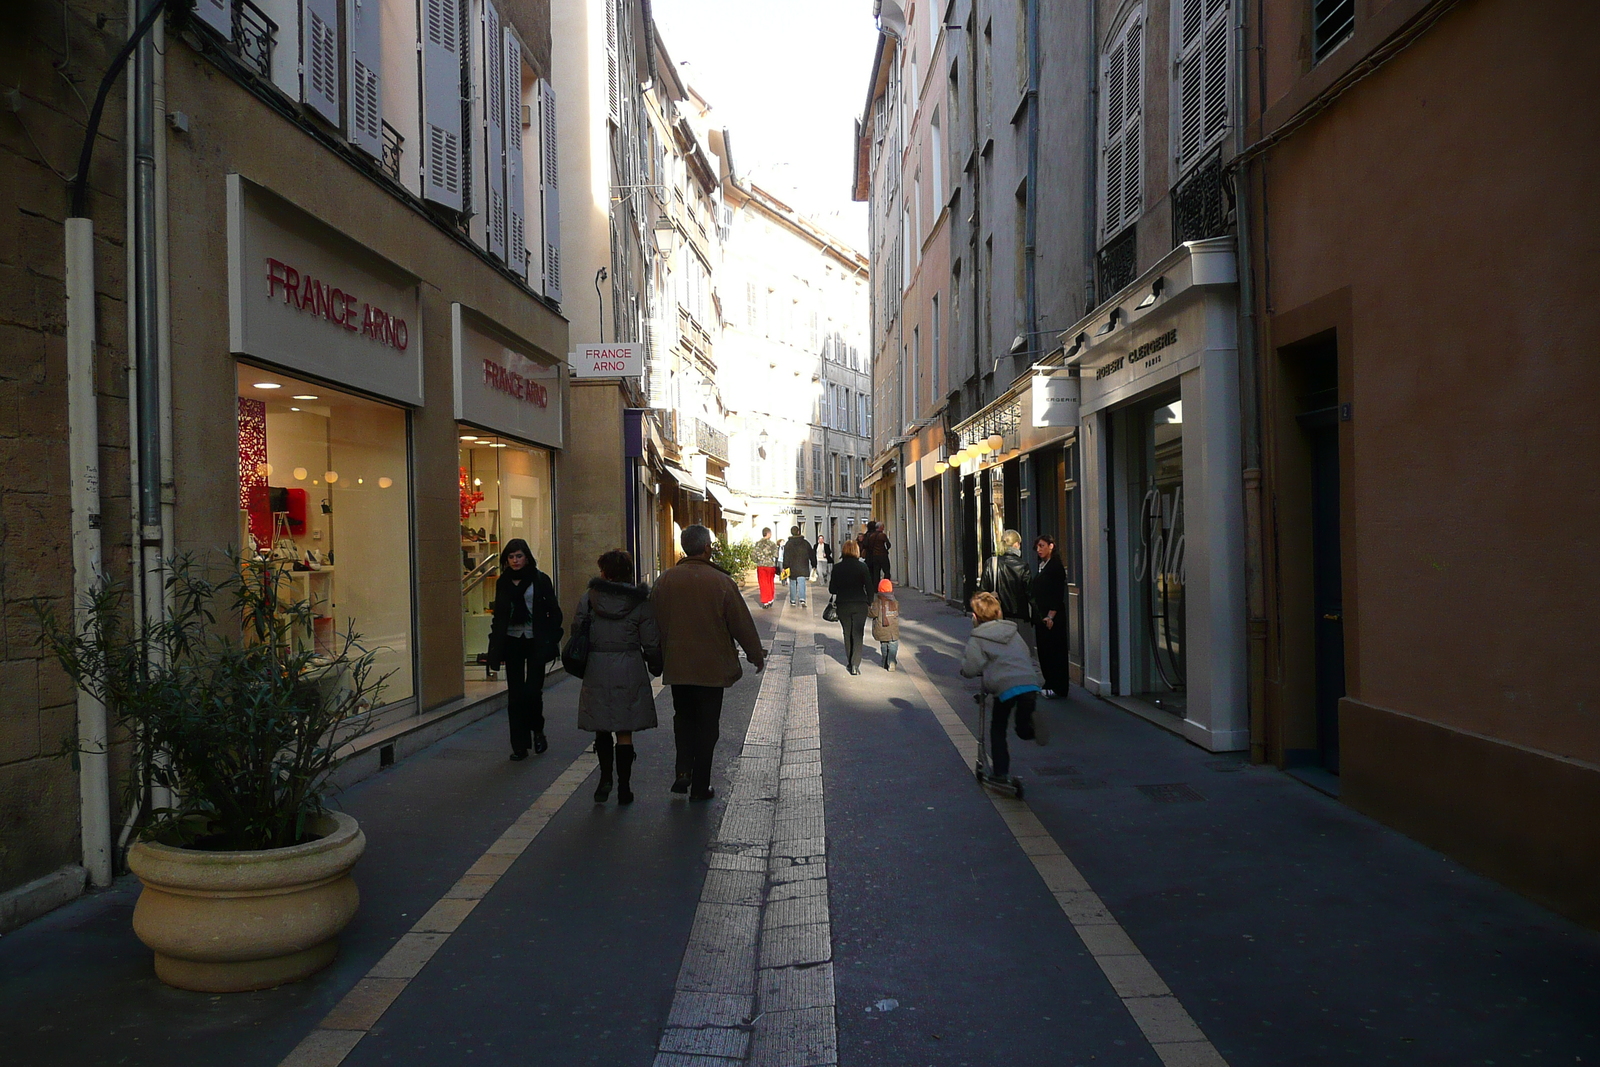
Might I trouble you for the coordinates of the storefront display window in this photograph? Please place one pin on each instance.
(324, 491)
(1155, 492)
(505, 492)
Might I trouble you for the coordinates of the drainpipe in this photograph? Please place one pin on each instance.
(1031, 208)
(1250, 416)
(1091, 191)
(83, 448)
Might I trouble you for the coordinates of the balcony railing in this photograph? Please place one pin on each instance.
(1118, 263)
(253, 36)
(394, 144)
(1202, 206)
(712, 441)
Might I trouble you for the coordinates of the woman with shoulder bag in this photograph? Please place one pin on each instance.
(524, 635)
(624, 651)
(852, 594)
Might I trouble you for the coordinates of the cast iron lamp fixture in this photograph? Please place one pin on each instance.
(1155, 294)
(666, 233)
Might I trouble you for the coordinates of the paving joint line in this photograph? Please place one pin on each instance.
(1171, 1031)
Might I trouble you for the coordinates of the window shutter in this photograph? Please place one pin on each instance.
(362, 66)
(442, 162)
(1216, 63)
(1203, 66)
(218, 14)
(319, 57)
(516, 193)
(657, 375)
(613, 69)
(1133, 127)
(550, 191)
(1122, 160)
(494, 115)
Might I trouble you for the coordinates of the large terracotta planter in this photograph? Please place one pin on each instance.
(224, 922)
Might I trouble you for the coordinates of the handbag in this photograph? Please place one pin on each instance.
(831, 612)
(575, 657)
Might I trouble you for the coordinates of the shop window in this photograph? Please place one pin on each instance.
(1157, 555)
(323, 491)
(505, 493)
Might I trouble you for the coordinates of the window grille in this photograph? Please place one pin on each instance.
(1332, 21)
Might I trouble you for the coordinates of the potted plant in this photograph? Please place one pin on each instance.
(238, 717)
(735, 557)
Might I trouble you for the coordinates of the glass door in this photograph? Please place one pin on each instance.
(1156, 556)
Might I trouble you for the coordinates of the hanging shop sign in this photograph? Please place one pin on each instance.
(304, 296)
(502, 385)
(1055, 399)
(607, 361)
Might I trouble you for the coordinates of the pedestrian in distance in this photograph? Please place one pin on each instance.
(798, 560)
(624, 651)
(1006, 575)
(765, 557)
(996, 653)
(703, 622)
(852, 595)
(875, 550)
(823, 554)
(524, 635)
(885, 615)
(1049, 595)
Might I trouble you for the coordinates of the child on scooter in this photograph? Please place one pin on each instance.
(997, 653)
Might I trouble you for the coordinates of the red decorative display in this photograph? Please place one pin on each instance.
(470, 496)
(252, 448)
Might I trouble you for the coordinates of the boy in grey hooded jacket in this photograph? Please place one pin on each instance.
(997, 653)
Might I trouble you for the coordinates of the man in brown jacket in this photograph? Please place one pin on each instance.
(701, 615)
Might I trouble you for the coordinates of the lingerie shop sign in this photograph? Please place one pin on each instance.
(503, 384)
(306, 297)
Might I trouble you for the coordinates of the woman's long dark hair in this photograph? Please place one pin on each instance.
(514, 545)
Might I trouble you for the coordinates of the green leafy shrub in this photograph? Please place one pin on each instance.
(737, 558)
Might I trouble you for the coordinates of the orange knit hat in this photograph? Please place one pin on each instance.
(885, 585)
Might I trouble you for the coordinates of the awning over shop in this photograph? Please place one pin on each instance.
(726, 500)
(687, 480)
(878, 473)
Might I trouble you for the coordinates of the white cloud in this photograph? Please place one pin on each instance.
(788, 78)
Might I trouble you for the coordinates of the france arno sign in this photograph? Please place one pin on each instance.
(607, 361)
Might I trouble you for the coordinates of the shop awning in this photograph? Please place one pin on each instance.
(726, 500)
(686, 479)
(877, 474)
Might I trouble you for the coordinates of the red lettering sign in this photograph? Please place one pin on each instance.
(334, 305)
(498, 377)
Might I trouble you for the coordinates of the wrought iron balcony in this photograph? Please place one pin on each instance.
(1118, 263)
(710, 440)
(1202, 206)
(253, 36)
(394, 144)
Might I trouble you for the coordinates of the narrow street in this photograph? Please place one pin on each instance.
(885, 911)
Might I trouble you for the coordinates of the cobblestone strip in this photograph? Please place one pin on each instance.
(1165, 1023)
(351, 1019)
(756, 985)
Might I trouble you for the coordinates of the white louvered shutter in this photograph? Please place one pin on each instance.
(442, 158)
(494, 111)
(362, 66)
(218, 14)
(1122, 152)
(319, 57)
(550, 191)
(516, 196)
(658, 378)
(613, 67)
(1203, 68)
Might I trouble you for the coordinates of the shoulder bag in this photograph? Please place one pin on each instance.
(575, 657)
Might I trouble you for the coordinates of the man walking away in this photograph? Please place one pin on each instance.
(875, 549)
(701, 615)
(765, 557)
(798, 559)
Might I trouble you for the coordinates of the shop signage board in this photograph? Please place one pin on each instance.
(607, 361)
(502, 385)
(1055, 400)
(303, 296)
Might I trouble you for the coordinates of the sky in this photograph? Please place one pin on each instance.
(788, 78)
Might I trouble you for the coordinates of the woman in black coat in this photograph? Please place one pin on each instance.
(524, 635)
(1048, 592)
(851, 587)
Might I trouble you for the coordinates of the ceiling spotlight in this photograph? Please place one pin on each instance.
(268, 385)
(469, 437)
(498, 444)
(477, 481)
(294, 409)
(1155, 294)
(304, 396)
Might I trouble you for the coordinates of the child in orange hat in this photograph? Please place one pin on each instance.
(885, 616)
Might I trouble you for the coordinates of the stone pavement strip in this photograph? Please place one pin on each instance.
(1172, 1033)
(353, 1017)
(756, 985)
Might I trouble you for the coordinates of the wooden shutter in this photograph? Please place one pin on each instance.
(1122, 161)
(442, 157)
(494, 121)
(516, 194)
(363, 63)
(218, 14)
(319, 57)
(1203, 75)
(550, 190)
(613, 68)
(1217, 63)
(657, 375)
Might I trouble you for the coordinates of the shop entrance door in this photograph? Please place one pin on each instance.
(1156, 530)
(1327, 587)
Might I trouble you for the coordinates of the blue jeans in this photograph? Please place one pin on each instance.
(890, 651)
(797, 590)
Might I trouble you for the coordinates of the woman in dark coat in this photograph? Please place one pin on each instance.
(852, 590)
(525, 635)
(1048, 592)
(624, 651)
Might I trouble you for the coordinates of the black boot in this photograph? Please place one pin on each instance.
(602, 752)
(625, 756)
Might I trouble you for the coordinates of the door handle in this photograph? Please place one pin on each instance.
(1332, 616)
